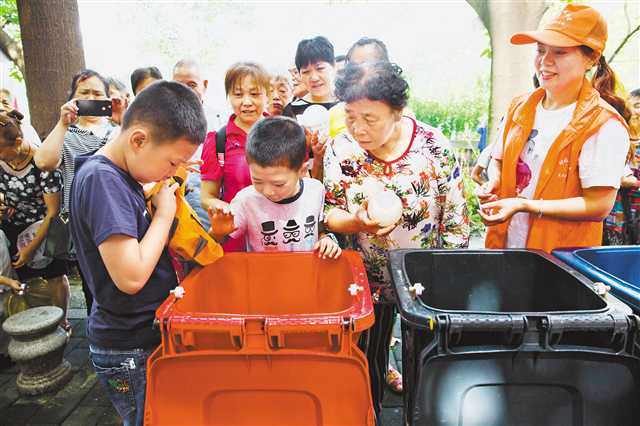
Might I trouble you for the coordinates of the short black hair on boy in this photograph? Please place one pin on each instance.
(377, 81)
(140, 74)
(312, 50)
(635, 93)
(171, 110)
(277, 141)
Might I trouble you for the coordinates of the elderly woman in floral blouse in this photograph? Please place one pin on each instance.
(384, 150)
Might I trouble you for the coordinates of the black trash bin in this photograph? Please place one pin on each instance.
(511, 337)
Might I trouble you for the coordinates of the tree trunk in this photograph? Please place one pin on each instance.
(511, 66)
(53, 53)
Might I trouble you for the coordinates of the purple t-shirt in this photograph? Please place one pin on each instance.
(106, 201)
(289, 225)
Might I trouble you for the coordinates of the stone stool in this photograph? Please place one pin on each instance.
(37, 346)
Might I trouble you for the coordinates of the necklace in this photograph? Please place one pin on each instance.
(21, 160)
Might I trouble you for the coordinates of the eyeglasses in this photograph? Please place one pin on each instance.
(5, 117)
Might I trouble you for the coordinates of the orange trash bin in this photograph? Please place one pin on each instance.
(264, 339)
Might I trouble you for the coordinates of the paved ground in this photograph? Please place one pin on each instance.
(82, 402)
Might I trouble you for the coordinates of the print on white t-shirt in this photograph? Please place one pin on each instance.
(269, 226)
(601, 161)
(546, 129)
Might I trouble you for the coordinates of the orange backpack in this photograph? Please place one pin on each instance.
(188, 239)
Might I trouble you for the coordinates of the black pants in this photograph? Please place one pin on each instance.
(375, 343)
(53, 270)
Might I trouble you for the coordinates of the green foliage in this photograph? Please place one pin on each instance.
(473, 205)
(10, 24)
(458, 115)
(488, 52)
(15, 73)
(9, 12)
(455, 116)
(458, 119)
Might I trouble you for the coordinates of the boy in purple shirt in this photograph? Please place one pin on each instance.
(121, 250)
(282, 210)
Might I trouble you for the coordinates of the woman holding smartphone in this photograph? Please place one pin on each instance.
(76, 135)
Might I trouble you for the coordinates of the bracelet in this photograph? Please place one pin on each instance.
(539, 214)
(330, 235)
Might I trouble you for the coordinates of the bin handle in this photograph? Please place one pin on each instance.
(337, 329)
(233, 327)
(454, 325)
(618, 324)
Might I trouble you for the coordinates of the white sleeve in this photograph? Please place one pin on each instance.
(237, 207)
(496, 145)
(485, 157)
(30, 135)
(313, 203)
(321, 203)
(603, 156)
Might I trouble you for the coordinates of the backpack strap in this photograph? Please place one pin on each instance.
(221, 140)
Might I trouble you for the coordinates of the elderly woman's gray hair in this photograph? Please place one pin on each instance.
(377, 81)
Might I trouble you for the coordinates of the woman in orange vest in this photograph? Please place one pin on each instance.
(562, 148)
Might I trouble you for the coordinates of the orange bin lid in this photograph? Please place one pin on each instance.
(199, 388)
(290, 294)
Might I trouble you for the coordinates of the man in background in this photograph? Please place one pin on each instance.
(188, 72)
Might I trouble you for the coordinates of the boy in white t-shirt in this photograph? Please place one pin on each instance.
(282, 210)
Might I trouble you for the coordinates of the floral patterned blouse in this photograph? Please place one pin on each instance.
(24, 191)
(428, 180)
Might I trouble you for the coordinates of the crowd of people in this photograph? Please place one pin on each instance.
(294, 169)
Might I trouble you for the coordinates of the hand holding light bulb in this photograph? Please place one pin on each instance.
(385, 207)
(383, 217)
(316, 118)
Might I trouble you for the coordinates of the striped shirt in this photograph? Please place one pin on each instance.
(77, 142)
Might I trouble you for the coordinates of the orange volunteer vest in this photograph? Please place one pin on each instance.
(559, 176)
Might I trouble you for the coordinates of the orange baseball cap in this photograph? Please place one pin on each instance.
(577, 25)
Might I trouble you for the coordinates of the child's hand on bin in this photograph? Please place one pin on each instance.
(327, 248)
(222, 223)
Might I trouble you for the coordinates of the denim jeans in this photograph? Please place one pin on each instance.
(193, 198)
(123, 373)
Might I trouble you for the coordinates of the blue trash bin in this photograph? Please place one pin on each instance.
(616, 266)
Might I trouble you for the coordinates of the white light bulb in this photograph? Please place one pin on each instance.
(315, 117)
(385, 207)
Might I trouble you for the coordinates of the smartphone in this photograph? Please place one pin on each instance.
(94, 108)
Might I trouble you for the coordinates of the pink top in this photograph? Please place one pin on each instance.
(232, 168)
